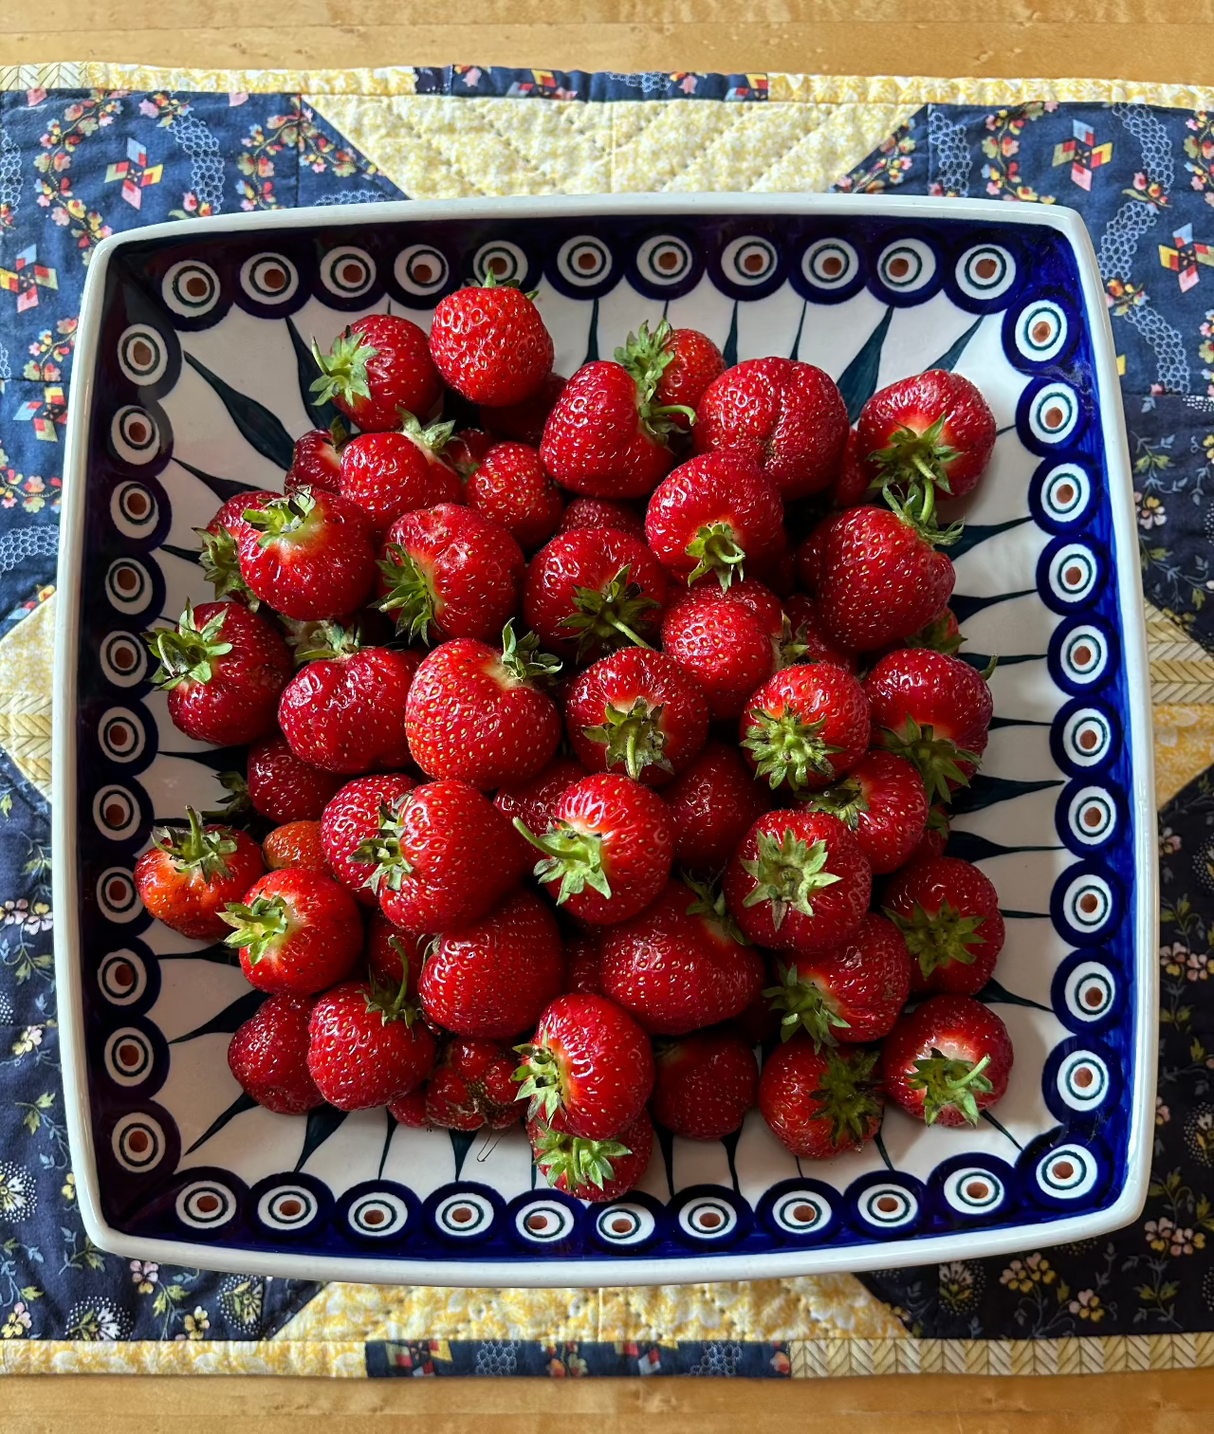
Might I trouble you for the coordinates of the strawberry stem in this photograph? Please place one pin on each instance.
(235, 802)
(220, 562)
(805, 1007)
(434, 438)
(393, 1005)
(541, 1081)
(845, 800)
(186, 651)
(411, 596)
(937, 759)
(710, 904)
(945, 1081)
(716, 549)
(582, 1162)
(787, 873)
(258, 927)
(786, 748)
(602, 615)
(343, 370)
(282, 517)
(645, 355)
(941, 939)
(524, 663)
(849, 1097)
(197, 848)
(576, 857)
(633, 738)
(384, 847)
(328, 640)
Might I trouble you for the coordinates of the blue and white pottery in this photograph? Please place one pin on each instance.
(191, 383)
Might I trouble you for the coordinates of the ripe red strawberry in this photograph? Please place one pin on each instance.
(345, 710)
(935, 834)
(443, 855)
(883, 800)
(477, 713)
(934, 429)
(393, 955)
(934, 710)
(948, 1061)
(584, 965)
(220, 557)
(388, 474)
(223, 668)
(410, 1110)
(805, 727)
(798, 882)
(473, 1086)
(948, 913)
(466, 450)
(704, 1084)
(806, 641)
(490, 344)
(282, 787)
(308, 553)
(692, 362)
(534, 802)
(942, 634)
(851, 992)
(608, 853)
(786, 417)
(880, 578)
(588, 1070)
(722, 644)
(350, 819)
(593, 590)
(377, 366)
(367, 1046)
(681, 964)
(809, 555)
(524, 422)
(606, 436)
(712, 803)
(758, 1025)
(636, 712)
(316, 463)
(186, 879)
(511, 487)
(820, 1104)
(297, 932)
(851, 485)
(593, 1170)
(601, 513)
(450, 571)
(295, 844)
(268, 1055)
(493, 978)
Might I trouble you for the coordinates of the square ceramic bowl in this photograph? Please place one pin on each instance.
(191, 382)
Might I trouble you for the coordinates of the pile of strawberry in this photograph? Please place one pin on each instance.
(661, 618)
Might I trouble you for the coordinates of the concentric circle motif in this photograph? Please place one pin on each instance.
(142, 354)
(135, 435)
(830, 264)
(1083, 1081)
(128, 585)
(116, 813)
(123, 977)
(289, 1208)
(190, 288)
(117, 897)
(347, 272)
(133, 509)
(1091, 816)
(378, 1214)
(269, 278)
(464, 1216)
(584, 261)
(421, 270)
(624, 1223)
(1084, 655)
(128, 1056)
(124, 658)
(665, 259)
(802, 1212)
(1088, 904)
(1073, 573)
(120, 735)
(1066, 492)
(544, 1222)
(708, 1217)
(906, 266)
(504, 260)
(887, 1206)
(205, 1205)
(750, 260)
(974, 1191)
(1090, 991)
(1055, 413)
(1087, 737)
(985, 272)
(1041, 331)
(1067, 1172)
(138, 1142)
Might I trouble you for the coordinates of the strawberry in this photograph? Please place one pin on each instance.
(880, 578)
(388, 474)
(798, 882)
(393, 955)
(588, 1070)
(377, 366)
(593, 590)
(606, 436)
(948, 1061)
(524, 422)
(691, 361)
(282, 787)
(268, 1055)
(444, 856)
(350, 819)
(367, 1046)
(805, 727)
(787, 417)
(316, 462)
(935, 834)
(466, 450)
(186, 879)
(490, 344)
(704, 1084)
(297, 932)
(601, 513)
(584, 965)
(722, 644)
(450, 570)
(473, 1086)
(607, 855)
(712, 804)
(681, 964)
(220, 557)
(345, 710)
(808, 557)
(882, 799)
(713, 514)
(636, 712)
(941, 634)
(493, 978)
(933, 429)
(308, 553)
(850, 992)
(511, 487)
(410, 1110)
(820, 1104)
(935, 711)
(223, 668)
(295, 844)
(593, 1170)
(851, 484)
(948, 913)
(758, 1025)
(534, 802)
(806, 639)
(476, 713)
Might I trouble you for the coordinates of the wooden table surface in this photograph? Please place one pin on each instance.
(1128, 39)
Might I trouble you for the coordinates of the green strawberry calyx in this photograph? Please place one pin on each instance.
(492, 281)
(914, 459)
(940, 635)
(787, 873)
(220, 561)
(845, 800)
(196, 849)
(259, 927)
(946, 1081)
(918, 509)
(574, 857)
(392, 1003)
(411, 598)
(541, 1078)
(282, 518)
(790, 647)
(645, 356)
(328, 640)
(716, 549)
(937, 759)
(849, 1097)
(709, 904)
(237, 799)
(941, 939)
(523, 664)
(634, 738)
(607, 618)
(582, 1163)
(788, 749)
(804, 1006)
(343, 370)
(187, 652)
(383, 848)
(433, 438)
